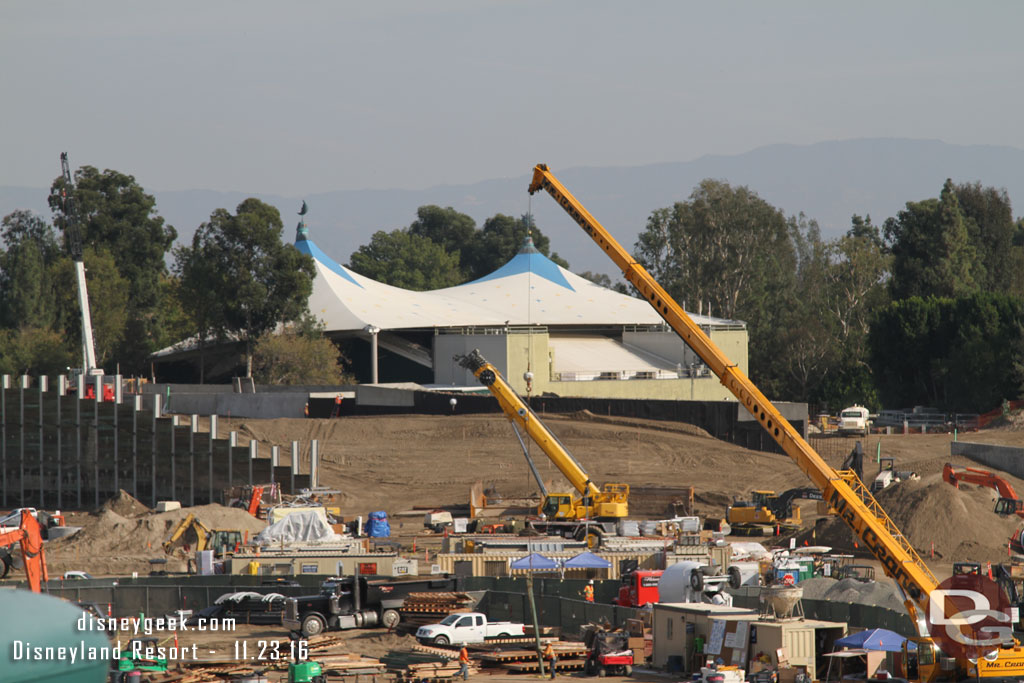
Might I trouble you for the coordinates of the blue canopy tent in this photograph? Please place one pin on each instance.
(587, 560)
(869, 644)
(534, 562)
(875, 639)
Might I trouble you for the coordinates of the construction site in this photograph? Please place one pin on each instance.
(665, 521)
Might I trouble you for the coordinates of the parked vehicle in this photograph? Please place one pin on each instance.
(639, 587)
(466, 627)
(338, 607)
(855, 420)
(609, 654)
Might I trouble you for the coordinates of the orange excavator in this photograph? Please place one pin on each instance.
(1008, 503)
(30, 536)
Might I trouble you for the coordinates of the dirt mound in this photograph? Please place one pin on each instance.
(125, 505)
(1011, 422)
(959, 524)
(881, 593)
(113, 543)
(658, 425)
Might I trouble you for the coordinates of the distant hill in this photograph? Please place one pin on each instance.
(828, 181)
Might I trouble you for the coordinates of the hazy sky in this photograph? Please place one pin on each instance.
(305, 97)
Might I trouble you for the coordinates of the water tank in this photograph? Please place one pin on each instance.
(675, 582)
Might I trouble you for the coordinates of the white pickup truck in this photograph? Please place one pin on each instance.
(466, 627)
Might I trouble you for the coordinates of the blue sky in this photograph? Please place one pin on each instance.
(306, 97)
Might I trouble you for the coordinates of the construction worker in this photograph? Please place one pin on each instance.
(588, 591)
(337, 406)
(464, 663)
(551, 658)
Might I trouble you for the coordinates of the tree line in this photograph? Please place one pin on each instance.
(926, 309)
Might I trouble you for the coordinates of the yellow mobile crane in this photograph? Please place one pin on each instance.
(842, 490)
(588, 516)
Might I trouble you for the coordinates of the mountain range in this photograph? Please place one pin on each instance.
(827, 181)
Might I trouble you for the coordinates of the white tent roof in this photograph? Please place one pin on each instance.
(528, 290)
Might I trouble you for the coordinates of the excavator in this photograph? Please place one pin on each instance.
(587, 516)
(30, 536)
(1008, 503)
(221, 541)
(846, 496)
(768, 511)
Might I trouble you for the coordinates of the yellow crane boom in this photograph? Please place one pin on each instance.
(520, 413)
(843, 491)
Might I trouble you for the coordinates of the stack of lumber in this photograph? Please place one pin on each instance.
(199, 673)
(327, 649)
(571, 656)
(347, 664)
(429, 608)
(419, 665)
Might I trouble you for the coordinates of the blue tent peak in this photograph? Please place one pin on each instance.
(528, 247)
(529, 260)
(308, 247)
(534, 561)
(587, 560)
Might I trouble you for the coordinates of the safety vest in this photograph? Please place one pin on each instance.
(588, 593)
(464, 656)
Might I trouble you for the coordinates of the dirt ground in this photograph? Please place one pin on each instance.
(408, 464)
(412, 463)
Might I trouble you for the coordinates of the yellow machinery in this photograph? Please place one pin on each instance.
(768, 511)
(586, 516)
(842, 490)
(221, 541)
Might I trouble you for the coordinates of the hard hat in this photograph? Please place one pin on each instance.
(591, 582)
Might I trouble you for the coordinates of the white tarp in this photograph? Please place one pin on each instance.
(299, 527)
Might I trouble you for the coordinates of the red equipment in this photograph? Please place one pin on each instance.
(639, 587)
(254, 501)
(609, 654)
(30, 536)
(1008, 503)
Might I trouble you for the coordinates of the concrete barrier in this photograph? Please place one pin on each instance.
(1005, 458)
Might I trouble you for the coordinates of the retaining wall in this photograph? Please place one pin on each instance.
(60, 451)
(1005, 458)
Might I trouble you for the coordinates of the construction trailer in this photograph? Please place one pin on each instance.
(737, 636)
(320, 561)
(496, 562)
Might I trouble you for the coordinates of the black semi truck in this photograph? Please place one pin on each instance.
(340, 606)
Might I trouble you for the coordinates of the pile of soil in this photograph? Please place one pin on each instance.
(881, 593)
(123, 535)
(937, 519)
(126, 505)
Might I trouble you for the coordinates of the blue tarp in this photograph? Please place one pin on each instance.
(377, 526)
(534, 561)
(874, 639)
(587, 560)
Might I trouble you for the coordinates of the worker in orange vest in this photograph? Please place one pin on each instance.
(551, 658)
(464, 663)
(337, 406)
(588, 591)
